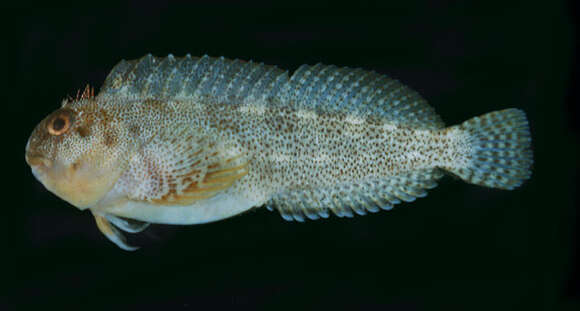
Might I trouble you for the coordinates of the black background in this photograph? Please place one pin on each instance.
(463, 247)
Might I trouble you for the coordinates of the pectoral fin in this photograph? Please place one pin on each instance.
(217, 177)
(182, 166)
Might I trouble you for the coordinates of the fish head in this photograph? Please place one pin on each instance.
(78, 152)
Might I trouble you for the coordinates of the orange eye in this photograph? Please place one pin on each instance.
(60, 123)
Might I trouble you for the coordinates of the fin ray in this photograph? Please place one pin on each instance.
(321, 88)
(126, 224)
(351, 199)
(187, 76)
(180, 172)
(364, 93)
(500, 145)
(112, 233)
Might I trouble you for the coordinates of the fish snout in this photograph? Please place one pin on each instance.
(37, 162)
(35, 159)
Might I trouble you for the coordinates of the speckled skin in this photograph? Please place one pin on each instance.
(194, 140)
(293, 149)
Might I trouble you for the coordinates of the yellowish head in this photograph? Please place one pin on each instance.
(78, 152)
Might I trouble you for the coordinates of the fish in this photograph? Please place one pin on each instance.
(191, 140)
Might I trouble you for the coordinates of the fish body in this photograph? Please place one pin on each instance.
(193, 140)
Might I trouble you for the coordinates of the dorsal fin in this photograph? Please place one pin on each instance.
(321, 88)
(188, 76)
(364, 93)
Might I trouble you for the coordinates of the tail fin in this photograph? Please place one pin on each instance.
(500, 147)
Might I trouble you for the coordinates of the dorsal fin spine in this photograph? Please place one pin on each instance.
(321, 88)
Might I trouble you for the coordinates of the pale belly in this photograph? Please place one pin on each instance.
(224, 205)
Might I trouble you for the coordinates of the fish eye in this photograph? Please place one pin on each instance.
(60, 123)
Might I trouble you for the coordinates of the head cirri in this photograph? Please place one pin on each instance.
(75, 151)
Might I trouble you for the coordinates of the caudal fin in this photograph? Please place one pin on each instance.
(500, 154)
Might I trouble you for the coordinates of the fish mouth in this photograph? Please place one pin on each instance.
(36, 160)
(83, 186)
(38, 164)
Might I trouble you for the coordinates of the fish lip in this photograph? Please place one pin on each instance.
(37, 161)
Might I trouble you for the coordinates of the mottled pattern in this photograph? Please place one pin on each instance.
(327, 138)
(192, 140)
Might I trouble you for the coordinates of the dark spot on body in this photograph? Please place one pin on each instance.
(83, 131)
(135, 130)
(110, 139)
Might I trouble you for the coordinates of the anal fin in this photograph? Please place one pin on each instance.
(356, 198)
